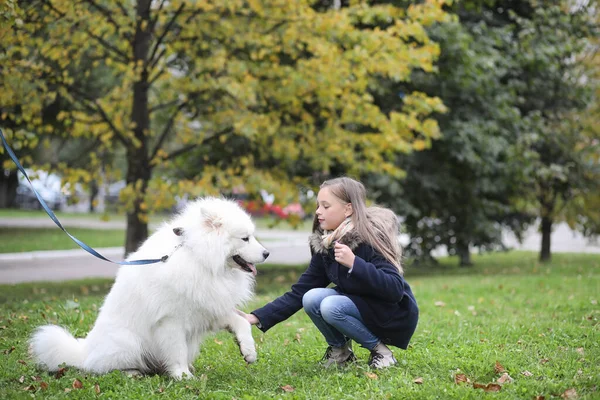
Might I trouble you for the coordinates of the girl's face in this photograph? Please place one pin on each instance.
(331, 211)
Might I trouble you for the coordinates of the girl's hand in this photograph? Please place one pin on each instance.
(344, 255)
(251, 318)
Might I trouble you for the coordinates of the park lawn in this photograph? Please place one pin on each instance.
(14, 240)
(538, 322)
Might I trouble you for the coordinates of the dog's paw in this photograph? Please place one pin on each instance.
(181, 373)
(133, 373)
(249, 355)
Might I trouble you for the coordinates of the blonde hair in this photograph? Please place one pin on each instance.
(377, 226)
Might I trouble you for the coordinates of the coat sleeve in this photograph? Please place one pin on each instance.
(289, 303)
(376, 278)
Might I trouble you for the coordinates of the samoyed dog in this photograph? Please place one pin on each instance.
(155, 316)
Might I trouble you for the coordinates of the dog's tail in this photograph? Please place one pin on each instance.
(52, 346)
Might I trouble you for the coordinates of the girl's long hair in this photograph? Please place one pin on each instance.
(377, 226)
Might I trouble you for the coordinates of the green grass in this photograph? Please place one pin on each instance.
(13, 240)
(508, 309)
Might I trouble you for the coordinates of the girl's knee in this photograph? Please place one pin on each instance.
(332, 308)
(312, 299)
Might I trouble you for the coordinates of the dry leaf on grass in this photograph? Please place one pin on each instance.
(371, 375)
(418, 381)
(580, 350)
(505, 378)
(29, 388)
(498, 368)
(218, 342)
(22, 379)
(539, 398)
(490, 387)
(8, 351)
(97, 388)
(77, 384)
(544, 360)
(43, 385)
(461, 378)
(526, 373)
(287, 388)
(22, 362)
(569, 394)
(61, 372)
(440, 304)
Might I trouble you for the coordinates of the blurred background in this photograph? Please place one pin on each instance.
(475, 121)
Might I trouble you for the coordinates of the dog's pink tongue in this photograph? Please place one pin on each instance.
(253, 268)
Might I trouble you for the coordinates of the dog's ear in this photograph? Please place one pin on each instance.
(178, 231)
(212, 221)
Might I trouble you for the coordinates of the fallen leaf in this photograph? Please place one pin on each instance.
(97, 388)
(287, 388)
(77, 384)
(22, 362)
(418, 381)
(440, 304)
(61, 372)
(539, 398)
(218, 342)
(526, 373)
(371, 375)
(298, 337)
(161, 390)
(36, 378)
(569, 394)
(504, 379)
(8, 351)
(490, 387)
(30, 387)
(461, 378)
(580, 350)
(498, 368)
(544, 360)
(22, 379)
(43, 385)
(67, 390)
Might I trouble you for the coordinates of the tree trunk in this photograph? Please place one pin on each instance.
(545, 254)
(9, 181)
(462, 250)
(93, 196)
(138, 163)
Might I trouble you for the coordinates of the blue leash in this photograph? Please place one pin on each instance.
(57, 222)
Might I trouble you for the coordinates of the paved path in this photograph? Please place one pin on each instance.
(286, 247)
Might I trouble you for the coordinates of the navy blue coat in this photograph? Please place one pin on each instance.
(384, 299)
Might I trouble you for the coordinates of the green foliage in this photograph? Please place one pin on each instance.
(510, 309)
(511, 138)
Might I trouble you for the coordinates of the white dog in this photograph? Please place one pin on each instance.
(155, 316)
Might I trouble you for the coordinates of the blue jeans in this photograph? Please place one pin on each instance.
(338, 319)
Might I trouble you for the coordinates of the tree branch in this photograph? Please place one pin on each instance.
(190, 147)
(165, 31)
(98, 108)
(108, 14)
(167, 128)
(122, 56)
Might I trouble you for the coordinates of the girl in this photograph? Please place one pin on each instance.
(356, 248)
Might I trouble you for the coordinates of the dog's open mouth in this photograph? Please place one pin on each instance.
(245, 265)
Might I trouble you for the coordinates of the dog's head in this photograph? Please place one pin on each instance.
(215, 228)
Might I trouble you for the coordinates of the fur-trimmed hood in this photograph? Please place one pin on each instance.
(350, 239)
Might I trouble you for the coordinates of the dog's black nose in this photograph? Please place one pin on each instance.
(266, 254)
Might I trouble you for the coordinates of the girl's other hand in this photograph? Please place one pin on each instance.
(251, 318)
(344, 255)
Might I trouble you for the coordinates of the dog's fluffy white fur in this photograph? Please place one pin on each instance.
(155, 316)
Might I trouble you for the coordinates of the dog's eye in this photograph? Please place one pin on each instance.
(246, 239)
